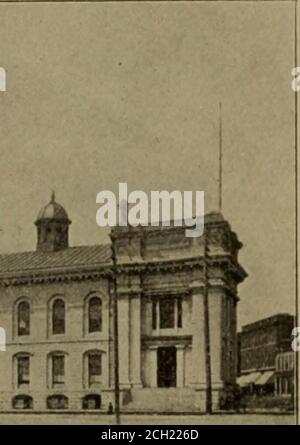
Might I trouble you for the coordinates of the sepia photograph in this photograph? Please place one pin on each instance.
(149, 214)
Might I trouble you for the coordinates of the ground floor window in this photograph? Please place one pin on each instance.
(23, 370)
(57, 402)
(91, 401)
(58, 369)
(22, 402)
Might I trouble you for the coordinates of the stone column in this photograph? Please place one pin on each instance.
(153, 369)
(215, 324)
(135, 340)
(198, 344)
(180, 366)
(123, 334)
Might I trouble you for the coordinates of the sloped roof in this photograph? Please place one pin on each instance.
(70, 257)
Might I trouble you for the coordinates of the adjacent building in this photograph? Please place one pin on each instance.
(259, 345)
(57, 312)
(285, 373)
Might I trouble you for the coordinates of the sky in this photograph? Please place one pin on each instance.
(103, 93)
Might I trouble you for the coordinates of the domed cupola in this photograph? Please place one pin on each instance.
(52, 227)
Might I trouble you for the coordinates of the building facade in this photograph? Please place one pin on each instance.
(285, 373)
(57, 312)
(259, 344)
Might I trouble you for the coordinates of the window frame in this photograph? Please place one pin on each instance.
(158, 318)
(22, 397)
(57, 396)
(91, 396)
(23, 378)
(86, 312)
(55, 300)
(52, 383)
(90, 318)
(88, 381)
(18, 303)
(16, 384)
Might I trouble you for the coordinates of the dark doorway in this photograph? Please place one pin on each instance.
(166, 367)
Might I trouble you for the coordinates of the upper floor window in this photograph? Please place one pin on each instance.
(95, 314)
(167, 313)
(179, 312)
(58, 316)
(23, 368)
(23, 318)
(154, 314)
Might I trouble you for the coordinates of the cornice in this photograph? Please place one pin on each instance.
(96, 272)
(54, 276)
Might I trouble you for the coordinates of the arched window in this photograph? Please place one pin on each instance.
(23, 318)
(58, 316)
(57, 401)
(22, 402)
(95, 314)
(91, 401)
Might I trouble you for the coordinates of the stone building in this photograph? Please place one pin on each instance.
(56, 309)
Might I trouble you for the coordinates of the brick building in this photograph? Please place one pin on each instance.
(259, 344)
(56, 309)
(285, 373)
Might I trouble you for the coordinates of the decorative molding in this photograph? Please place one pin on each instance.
(83, 273)
(169, 340)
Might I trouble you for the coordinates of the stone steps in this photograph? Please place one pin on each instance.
(161, 400)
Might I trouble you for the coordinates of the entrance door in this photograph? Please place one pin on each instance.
(166, 367)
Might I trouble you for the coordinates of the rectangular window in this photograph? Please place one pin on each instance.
(154, 314)
(23, 371)
(95, 368)
(179, 312)
(58, 369)
(167, 313)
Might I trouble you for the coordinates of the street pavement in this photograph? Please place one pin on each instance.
(104, 419)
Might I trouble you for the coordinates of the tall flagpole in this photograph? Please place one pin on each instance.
(116, 330)
(208, 405)
(112, 236)
(220, 158)
(208, 373)
(297, 370)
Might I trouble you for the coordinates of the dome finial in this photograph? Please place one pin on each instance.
(53, 196)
